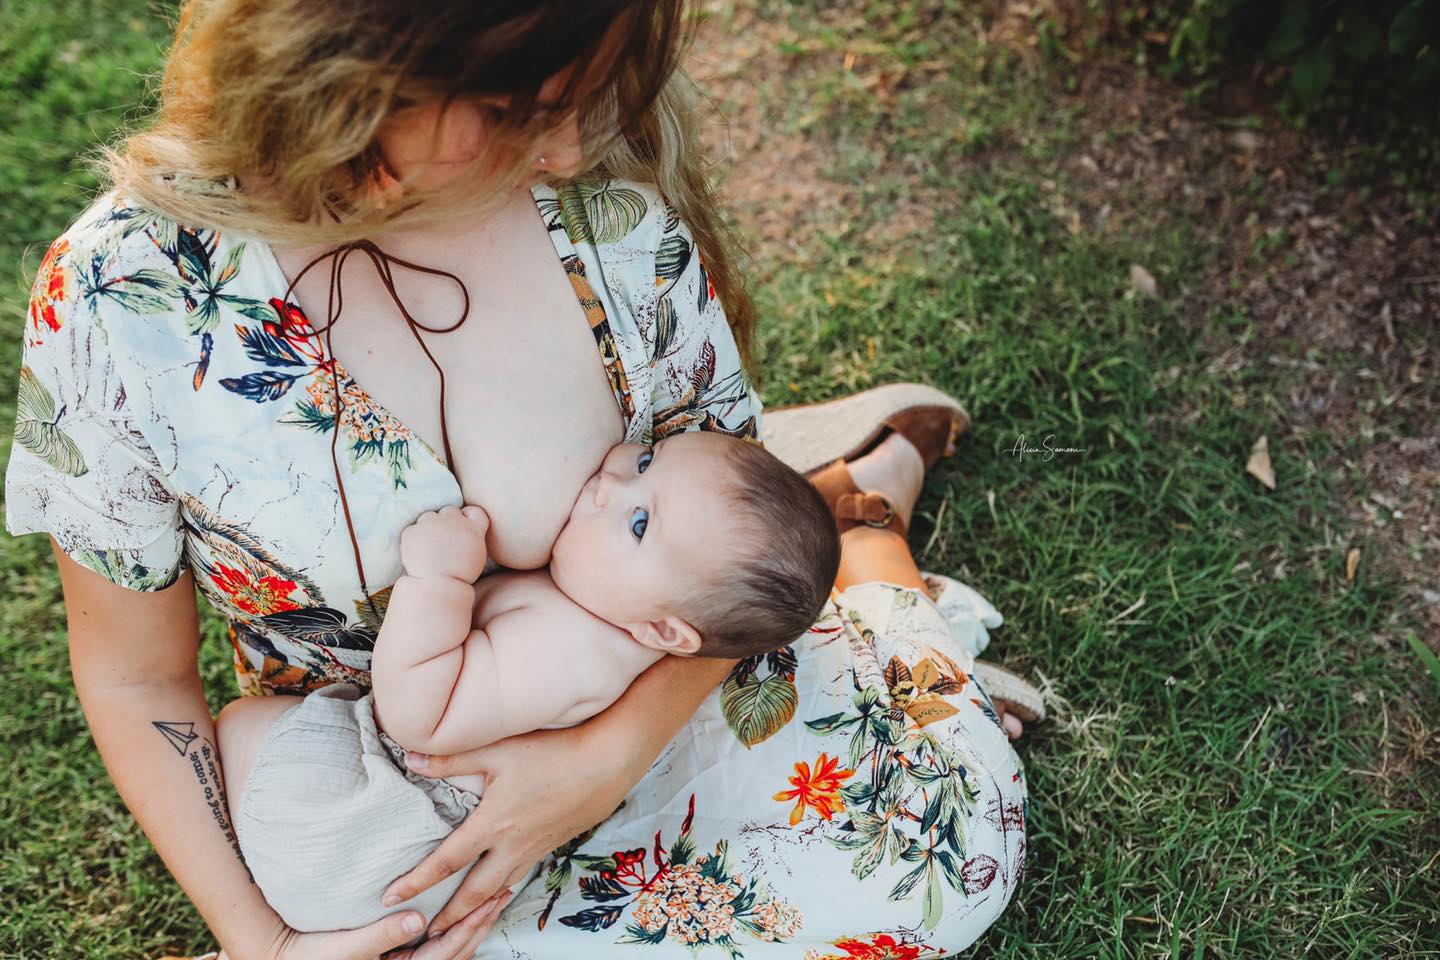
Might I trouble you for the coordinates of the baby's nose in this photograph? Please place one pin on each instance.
(605, 488)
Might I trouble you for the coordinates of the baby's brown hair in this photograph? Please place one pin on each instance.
(788, 566)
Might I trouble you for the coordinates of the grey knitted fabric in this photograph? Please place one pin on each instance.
(329, 816)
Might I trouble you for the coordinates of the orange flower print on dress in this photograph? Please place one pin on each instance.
(820, 790)
(52, 286)
(260, 597)
(878, 947)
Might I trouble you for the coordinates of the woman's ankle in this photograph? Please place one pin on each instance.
(870, 554)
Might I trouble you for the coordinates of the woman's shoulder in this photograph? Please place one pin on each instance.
(115, 227)
(120, 259)
(614, 216)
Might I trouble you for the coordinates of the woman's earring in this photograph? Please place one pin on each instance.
(540, 161)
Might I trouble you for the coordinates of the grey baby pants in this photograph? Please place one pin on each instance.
(330, 816)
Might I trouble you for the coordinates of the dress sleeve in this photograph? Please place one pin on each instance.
(80, 467)
(700, 382)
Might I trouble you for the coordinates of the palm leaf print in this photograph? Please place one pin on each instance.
(321, 626)
(118, 566)
(549, 212)
(37, 427)
(265, 347)
(262, 386)
(599, 212)
(371, 613)
(572, 214)
(672, 258)
(757, 709)
(228, 539)
(144, 291)
(665, 326)
(613, 211)
(192, 254)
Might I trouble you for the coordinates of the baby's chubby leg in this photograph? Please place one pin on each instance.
(241, 729)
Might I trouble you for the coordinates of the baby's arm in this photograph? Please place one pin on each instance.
(425, 640)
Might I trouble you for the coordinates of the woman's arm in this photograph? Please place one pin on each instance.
(133, 657)
(546, 787)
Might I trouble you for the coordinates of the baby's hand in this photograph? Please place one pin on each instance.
(448, 543)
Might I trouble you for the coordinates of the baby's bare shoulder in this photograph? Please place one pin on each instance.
(538, 632)
(527, 607)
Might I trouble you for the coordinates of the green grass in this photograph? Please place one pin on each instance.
(1231, 765)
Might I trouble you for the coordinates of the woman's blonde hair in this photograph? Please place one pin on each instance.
(293, 94)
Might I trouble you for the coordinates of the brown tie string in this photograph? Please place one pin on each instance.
(384, 264)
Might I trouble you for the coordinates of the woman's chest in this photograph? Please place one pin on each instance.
(528, 411)
(299, 449)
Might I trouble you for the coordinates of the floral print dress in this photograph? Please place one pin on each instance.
(849, 796)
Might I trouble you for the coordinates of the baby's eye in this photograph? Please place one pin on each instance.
(644, 462)
(639, 520)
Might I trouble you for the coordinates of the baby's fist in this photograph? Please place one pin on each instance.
(449, 542)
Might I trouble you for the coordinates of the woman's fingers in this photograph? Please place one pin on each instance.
(363, 943)
(493, 914)
(459, 942)
(455, 853)
(485, 882)
(440, 766)
(518, 874)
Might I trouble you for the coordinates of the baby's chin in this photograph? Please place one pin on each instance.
(568, 569)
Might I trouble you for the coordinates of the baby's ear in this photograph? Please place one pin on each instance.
(669, 634)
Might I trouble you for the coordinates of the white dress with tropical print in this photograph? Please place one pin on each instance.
(844, 797)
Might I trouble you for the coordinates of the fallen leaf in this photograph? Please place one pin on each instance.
(1352, 563)
(1143, 282)
(1258, 466)
(1246, 140)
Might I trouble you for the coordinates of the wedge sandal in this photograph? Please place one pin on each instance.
(811, 436)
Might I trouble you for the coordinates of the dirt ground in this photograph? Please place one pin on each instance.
(1339, 271)
(1342, 284)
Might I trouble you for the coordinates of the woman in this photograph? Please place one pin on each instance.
(334, 196)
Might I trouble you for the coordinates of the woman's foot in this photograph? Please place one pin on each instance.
(896, 470)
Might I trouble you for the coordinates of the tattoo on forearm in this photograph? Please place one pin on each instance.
(203, 756)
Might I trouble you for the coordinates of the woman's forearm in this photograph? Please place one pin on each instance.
(657, 704)
(158, 742)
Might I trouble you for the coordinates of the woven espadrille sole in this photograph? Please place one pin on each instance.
(813, 435)
(1020, 696)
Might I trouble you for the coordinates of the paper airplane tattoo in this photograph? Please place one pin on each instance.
(180, 735)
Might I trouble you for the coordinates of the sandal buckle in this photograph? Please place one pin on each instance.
(884, 522)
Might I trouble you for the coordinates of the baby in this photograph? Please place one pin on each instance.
(703, 545)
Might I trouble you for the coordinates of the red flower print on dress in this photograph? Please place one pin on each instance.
(820, 790)
(52, 286)
(879, 946)
(260, 597)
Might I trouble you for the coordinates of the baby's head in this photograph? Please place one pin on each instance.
(702, 544)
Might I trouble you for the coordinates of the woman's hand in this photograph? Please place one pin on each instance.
(390, 933)
(541, 789)
(545, 787)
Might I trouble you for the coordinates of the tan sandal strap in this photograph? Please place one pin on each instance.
(871, 509)
(833, 482)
